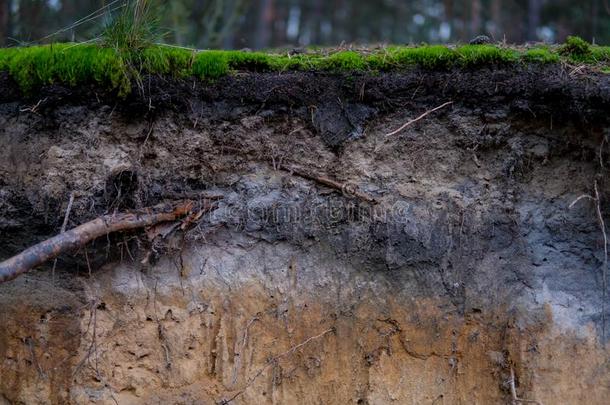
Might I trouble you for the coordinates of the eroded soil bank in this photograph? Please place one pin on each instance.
(469, 261)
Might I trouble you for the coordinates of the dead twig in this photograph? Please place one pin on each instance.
(83, 234)
(64, 225)
(414, 120)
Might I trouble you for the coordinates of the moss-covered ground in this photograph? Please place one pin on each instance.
(74, 64)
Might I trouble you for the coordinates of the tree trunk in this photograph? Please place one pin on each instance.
(263, 28)
(4, 21)
(594, 14)
(533, 18)
(475, 18)
(496, 18)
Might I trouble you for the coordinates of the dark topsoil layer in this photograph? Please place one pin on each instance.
(340, 104)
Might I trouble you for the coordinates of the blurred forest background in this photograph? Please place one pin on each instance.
(256, 24)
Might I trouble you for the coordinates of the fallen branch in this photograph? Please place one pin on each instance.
(83, 234)
(347, 189)
(414, 120)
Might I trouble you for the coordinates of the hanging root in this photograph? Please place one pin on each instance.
(414, 120)
(602, 226)
(85, 233)
(513, 392)
(273, 361)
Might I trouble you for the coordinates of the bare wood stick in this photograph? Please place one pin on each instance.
(414, 120)
(85, 233)
(348, 189)
(64, 225)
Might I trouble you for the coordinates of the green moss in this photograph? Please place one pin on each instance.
(6, 55)
(576, 48)
(432, 57)
(254, 61)
(600, 53)
(75, 64)
(540, 55)
(211, 64)
(343, 61)
(475, 55)
(167, 60)
(384, 60)
(70, 64)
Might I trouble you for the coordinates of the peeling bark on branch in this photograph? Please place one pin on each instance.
(85, 233)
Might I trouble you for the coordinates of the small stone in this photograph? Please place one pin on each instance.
(298, 51)
(480, 40)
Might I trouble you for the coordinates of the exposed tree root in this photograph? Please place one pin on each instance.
(348, 189)
(414, 120)
(85, 233)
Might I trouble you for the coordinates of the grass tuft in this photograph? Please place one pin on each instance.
(134, 28)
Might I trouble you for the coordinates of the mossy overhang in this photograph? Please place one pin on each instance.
(115, 70)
